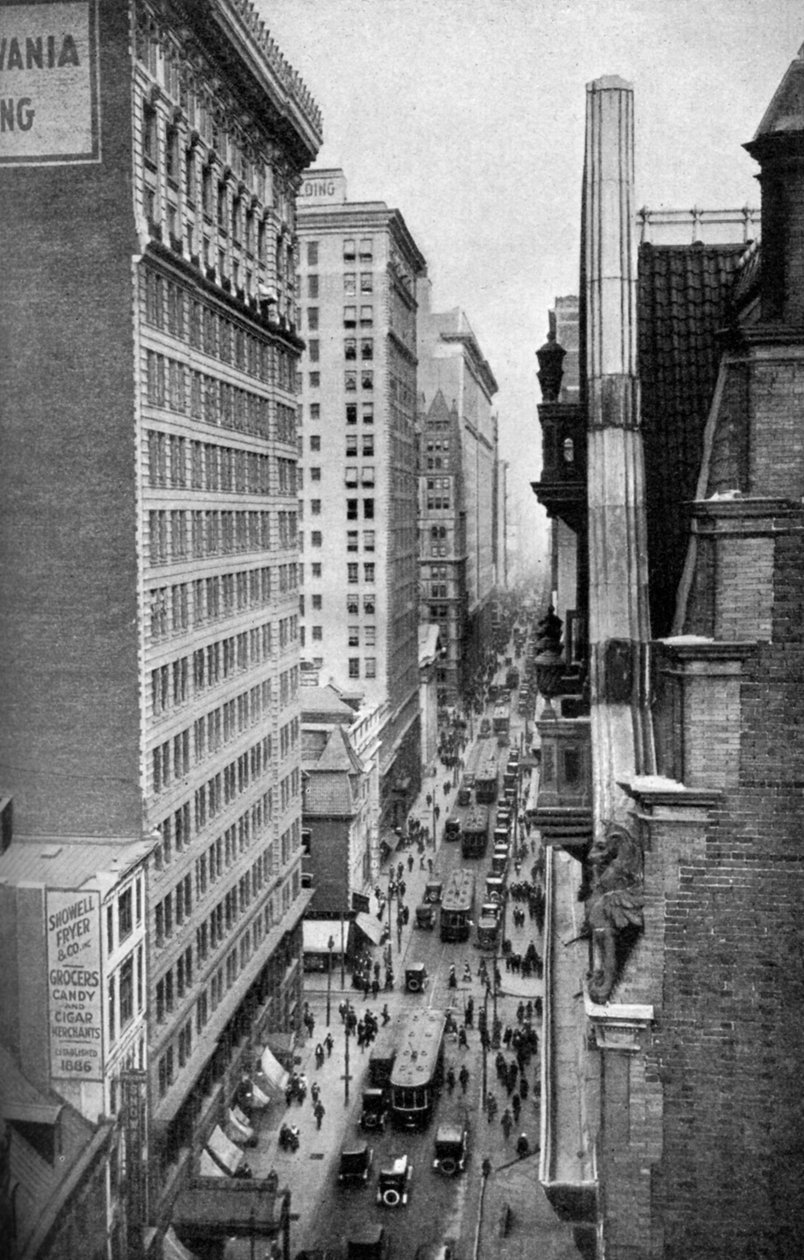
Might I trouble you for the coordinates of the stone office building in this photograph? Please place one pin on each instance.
(149, 606)
(359, 266)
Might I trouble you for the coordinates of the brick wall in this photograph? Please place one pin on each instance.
(730, 1051)
(68, 526)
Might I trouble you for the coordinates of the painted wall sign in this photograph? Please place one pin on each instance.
(49, 106)
(75, 1007)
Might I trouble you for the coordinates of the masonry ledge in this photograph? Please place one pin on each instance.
(619, 1013)
(654, 791)
(694, 648)
(740, 507)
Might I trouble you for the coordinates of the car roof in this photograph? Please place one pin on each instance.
(398, 1164)
(449, 1132)
(355, 1150)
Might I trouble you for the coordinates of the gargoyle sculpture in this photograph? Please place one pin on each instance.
(613, 905)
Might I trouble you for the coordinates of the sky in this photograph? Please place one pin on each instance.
(468, 117)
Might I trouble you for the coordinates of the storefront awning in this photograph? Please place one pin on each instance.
(274, 1073)
(317, 932)
(224, 1151)
(173, 1248)
(244, 1208)
(370, 927)
(389, 840)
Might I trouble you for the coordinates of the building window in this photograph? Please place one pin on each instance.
(316, 602)
(315, 474)
(354, 636)
(351, 445)
(349, 252)
(127, 992)
(315, 538)
(165, 1071)
(315, 507)
(367, 475)
(368, 444)
(317, 634)
(350, 348)
(351, 413)
(366, 249)
(316, 569)
(351, 509)
(366, 282)
(349, 316)
(312, 286)
(350, 381)
(351, 573)
(367, 348)
(124, 916)
(368, 539)
(354, 666)
(368, 413)
(368, 509)
(312, 318)
(351, 540)
(370, 665)
(350, 284)
(315, 442)
(369, 635)
(312, 253)
(366, 316)
(368, 572)
(366, 380)
(350, 474)
(313, 348)
(315, 380)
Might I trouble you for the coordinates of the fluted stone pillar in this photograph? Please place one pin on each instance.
(618, 606)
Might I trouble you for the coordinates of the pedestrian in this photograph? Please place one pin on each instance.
(463, 1044)
(430, 865)
(402, 889)
(469, 1012)
(452, 981)
(463, 1077)
(319, 1055)
(523, 1088)
(522, 1146)
(516, 1106)
(467, 973)
(507, 1123)
(315, 1092)
(319, 1111)
(385, 1015)
(329, 1043)
(491, 1105)
(410, 862)
(375, 988)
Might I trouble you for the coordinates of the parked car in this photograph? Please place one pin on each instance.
(485, 727)
(451, 1146)
(415, 978)
(355, 1165)
(374, 1112)
(435, 1251)
(372, 1243)
(464, 795)
(394, 1182)
(433, 890)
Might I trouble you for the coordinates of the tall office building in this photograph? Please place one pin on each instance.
(359, 614)
(148, 641)
(462, 504)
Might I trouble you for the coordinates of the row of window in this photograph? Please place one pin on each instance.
(124, 913)
(173, 386)
(213, 467)
(221, 595)
(350, 380)
(177, 535)
(171, 308)
(222, 980)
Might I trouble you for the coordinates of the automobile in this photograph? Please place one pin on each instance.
(393, 1184)
(425, 915)
(464, 795)
(433, 890)
(485, 727)
(415, 977)
(374, 1112)
(495, 888)
(451, 1146)
(372, 1243)
(469, 779)
(355, 1164)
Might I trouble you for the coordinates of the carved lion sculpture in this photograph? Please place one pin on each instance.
(614, 904)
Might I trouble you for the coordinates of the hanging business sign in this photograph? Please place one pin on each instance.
(49, 106)
(75, 998)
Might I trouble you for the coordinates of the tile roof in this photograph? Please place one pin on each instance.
(324, 704)
(683, 303)
(328, 794)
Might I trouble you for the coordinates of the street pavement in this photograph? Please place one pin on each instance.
(505, 1215)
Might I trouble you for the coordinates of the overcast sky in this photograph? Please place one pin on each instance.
(468, 115)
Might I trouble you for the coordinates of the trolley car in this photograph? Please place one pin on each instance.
(418, 1069)
(475, 833)
(457, 903)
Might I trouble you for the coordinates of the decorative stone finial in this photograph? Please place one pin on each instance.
(550, 356)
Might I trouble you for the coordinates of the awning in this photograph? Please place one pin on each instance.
(30, 1112)
(173, 1248)
(238, 1128)
(317, 932)
(370, 927)
(213, 1212)
(389, 840)
(224, 1151)
(273, 1071)
(208, 1168)
(258, 1098)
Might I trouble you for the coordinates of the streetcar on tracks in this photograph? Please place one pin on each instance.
(475, 832)
(418, 1069)
(487, 773)
(457, 905)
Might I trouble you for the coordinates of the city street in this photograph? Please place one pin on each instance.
(461, 1209)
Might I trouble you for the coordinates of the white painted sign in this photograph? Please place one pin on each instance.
(75, 1005)
(49, 104)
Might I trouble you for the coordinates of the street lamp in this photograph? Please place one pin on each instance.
(391, 890)
(330, 947)
(346, 1034)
